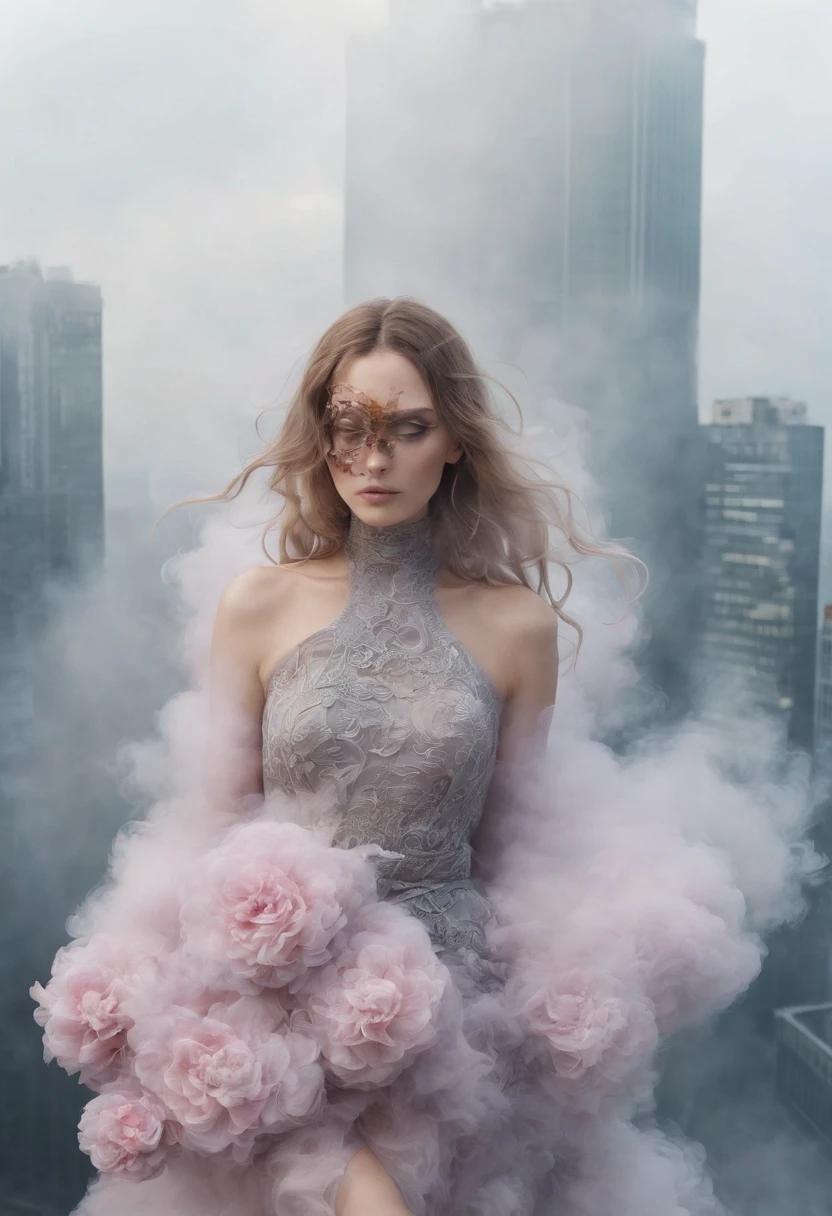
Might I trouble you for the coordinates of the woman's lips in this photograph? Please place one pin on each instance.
(377, 495)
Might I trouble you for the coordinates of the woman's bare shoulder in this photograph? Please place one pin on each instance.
(259, 591)
(256, 593)
(517, 609)
(524, 627)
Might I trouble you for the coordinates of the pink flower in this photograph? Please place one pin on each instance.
(598, 1034)
(229, 1076)
(124, 1133)
(86, 1008)
(265, 905)
(375, 1007)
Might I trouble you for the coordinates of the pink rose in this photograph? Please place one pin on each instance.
(375, 1007)
(265, 905)
(597, 1033)
(87, 1007)
(229, 1076)
(124, 1133)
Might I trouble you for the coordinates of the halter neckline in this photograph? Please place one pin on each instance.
(401, 556)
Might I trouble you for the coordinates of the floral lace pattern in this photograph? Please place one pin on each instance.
(387, 716)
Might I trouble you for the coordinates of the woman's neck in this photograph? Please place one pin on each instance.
(397, 560)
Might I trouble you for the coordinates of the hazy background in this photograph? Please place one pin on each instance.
(767, 244)
(188, 157)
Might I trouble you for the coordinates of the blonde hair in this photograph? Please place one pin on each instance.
(493, 515)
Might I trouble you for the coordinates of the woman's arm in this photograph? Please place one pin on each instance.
(526, 718)
(527, 711)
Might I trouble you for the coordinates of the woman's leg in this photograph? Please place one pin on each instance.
(368, 1190)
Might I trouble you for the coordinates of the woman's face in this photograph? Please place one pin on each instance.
(384, 431)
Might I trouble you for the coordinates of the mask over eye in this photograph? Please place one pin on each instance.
(355, 421)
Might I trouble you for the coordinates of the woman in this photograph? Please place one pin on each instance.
(408, 445)
(371, 681)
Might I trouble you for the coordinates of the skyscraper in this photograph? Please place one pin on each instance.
(542, 159)
(51, 476)
(763, 491)
(534, 170)
(823, 695)
(51, 524)
(51, 394)
(762, 550)
(822, 828)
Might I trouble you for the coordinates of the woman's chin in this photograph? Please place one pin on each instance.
(393, 510)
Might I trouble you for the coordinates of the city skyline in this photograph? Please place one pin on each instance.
(762, 502)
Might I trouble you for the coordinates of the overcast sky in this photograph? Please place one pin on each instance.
(767, 247)
(186, 155)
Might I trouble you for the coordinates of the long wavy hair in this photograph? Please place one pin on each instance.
(496, 519)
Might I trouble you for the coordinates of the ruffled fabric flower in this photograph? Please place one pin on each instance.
(229, 1076)
(375, 1007)
(267, 904)
(124, 1133)
(598, 1033)
(90, 1003)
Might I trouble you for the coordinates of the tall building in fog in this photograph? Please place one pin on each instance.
(534, 170)
(51, 525)
(51, 398)
(537, 164)
(51, 476)
(762, 551)
(823, 695)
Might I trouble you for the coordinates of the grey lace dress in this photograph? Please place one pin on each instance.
(389, 717)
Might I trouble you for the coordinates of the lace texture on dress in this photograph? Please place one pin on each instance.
(387, 715)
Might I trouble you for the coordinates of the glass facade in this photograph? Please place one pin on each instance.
(823, 696)
(762, 548)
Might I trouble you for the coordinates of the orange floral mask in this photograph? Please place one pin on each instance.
(355, 421)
